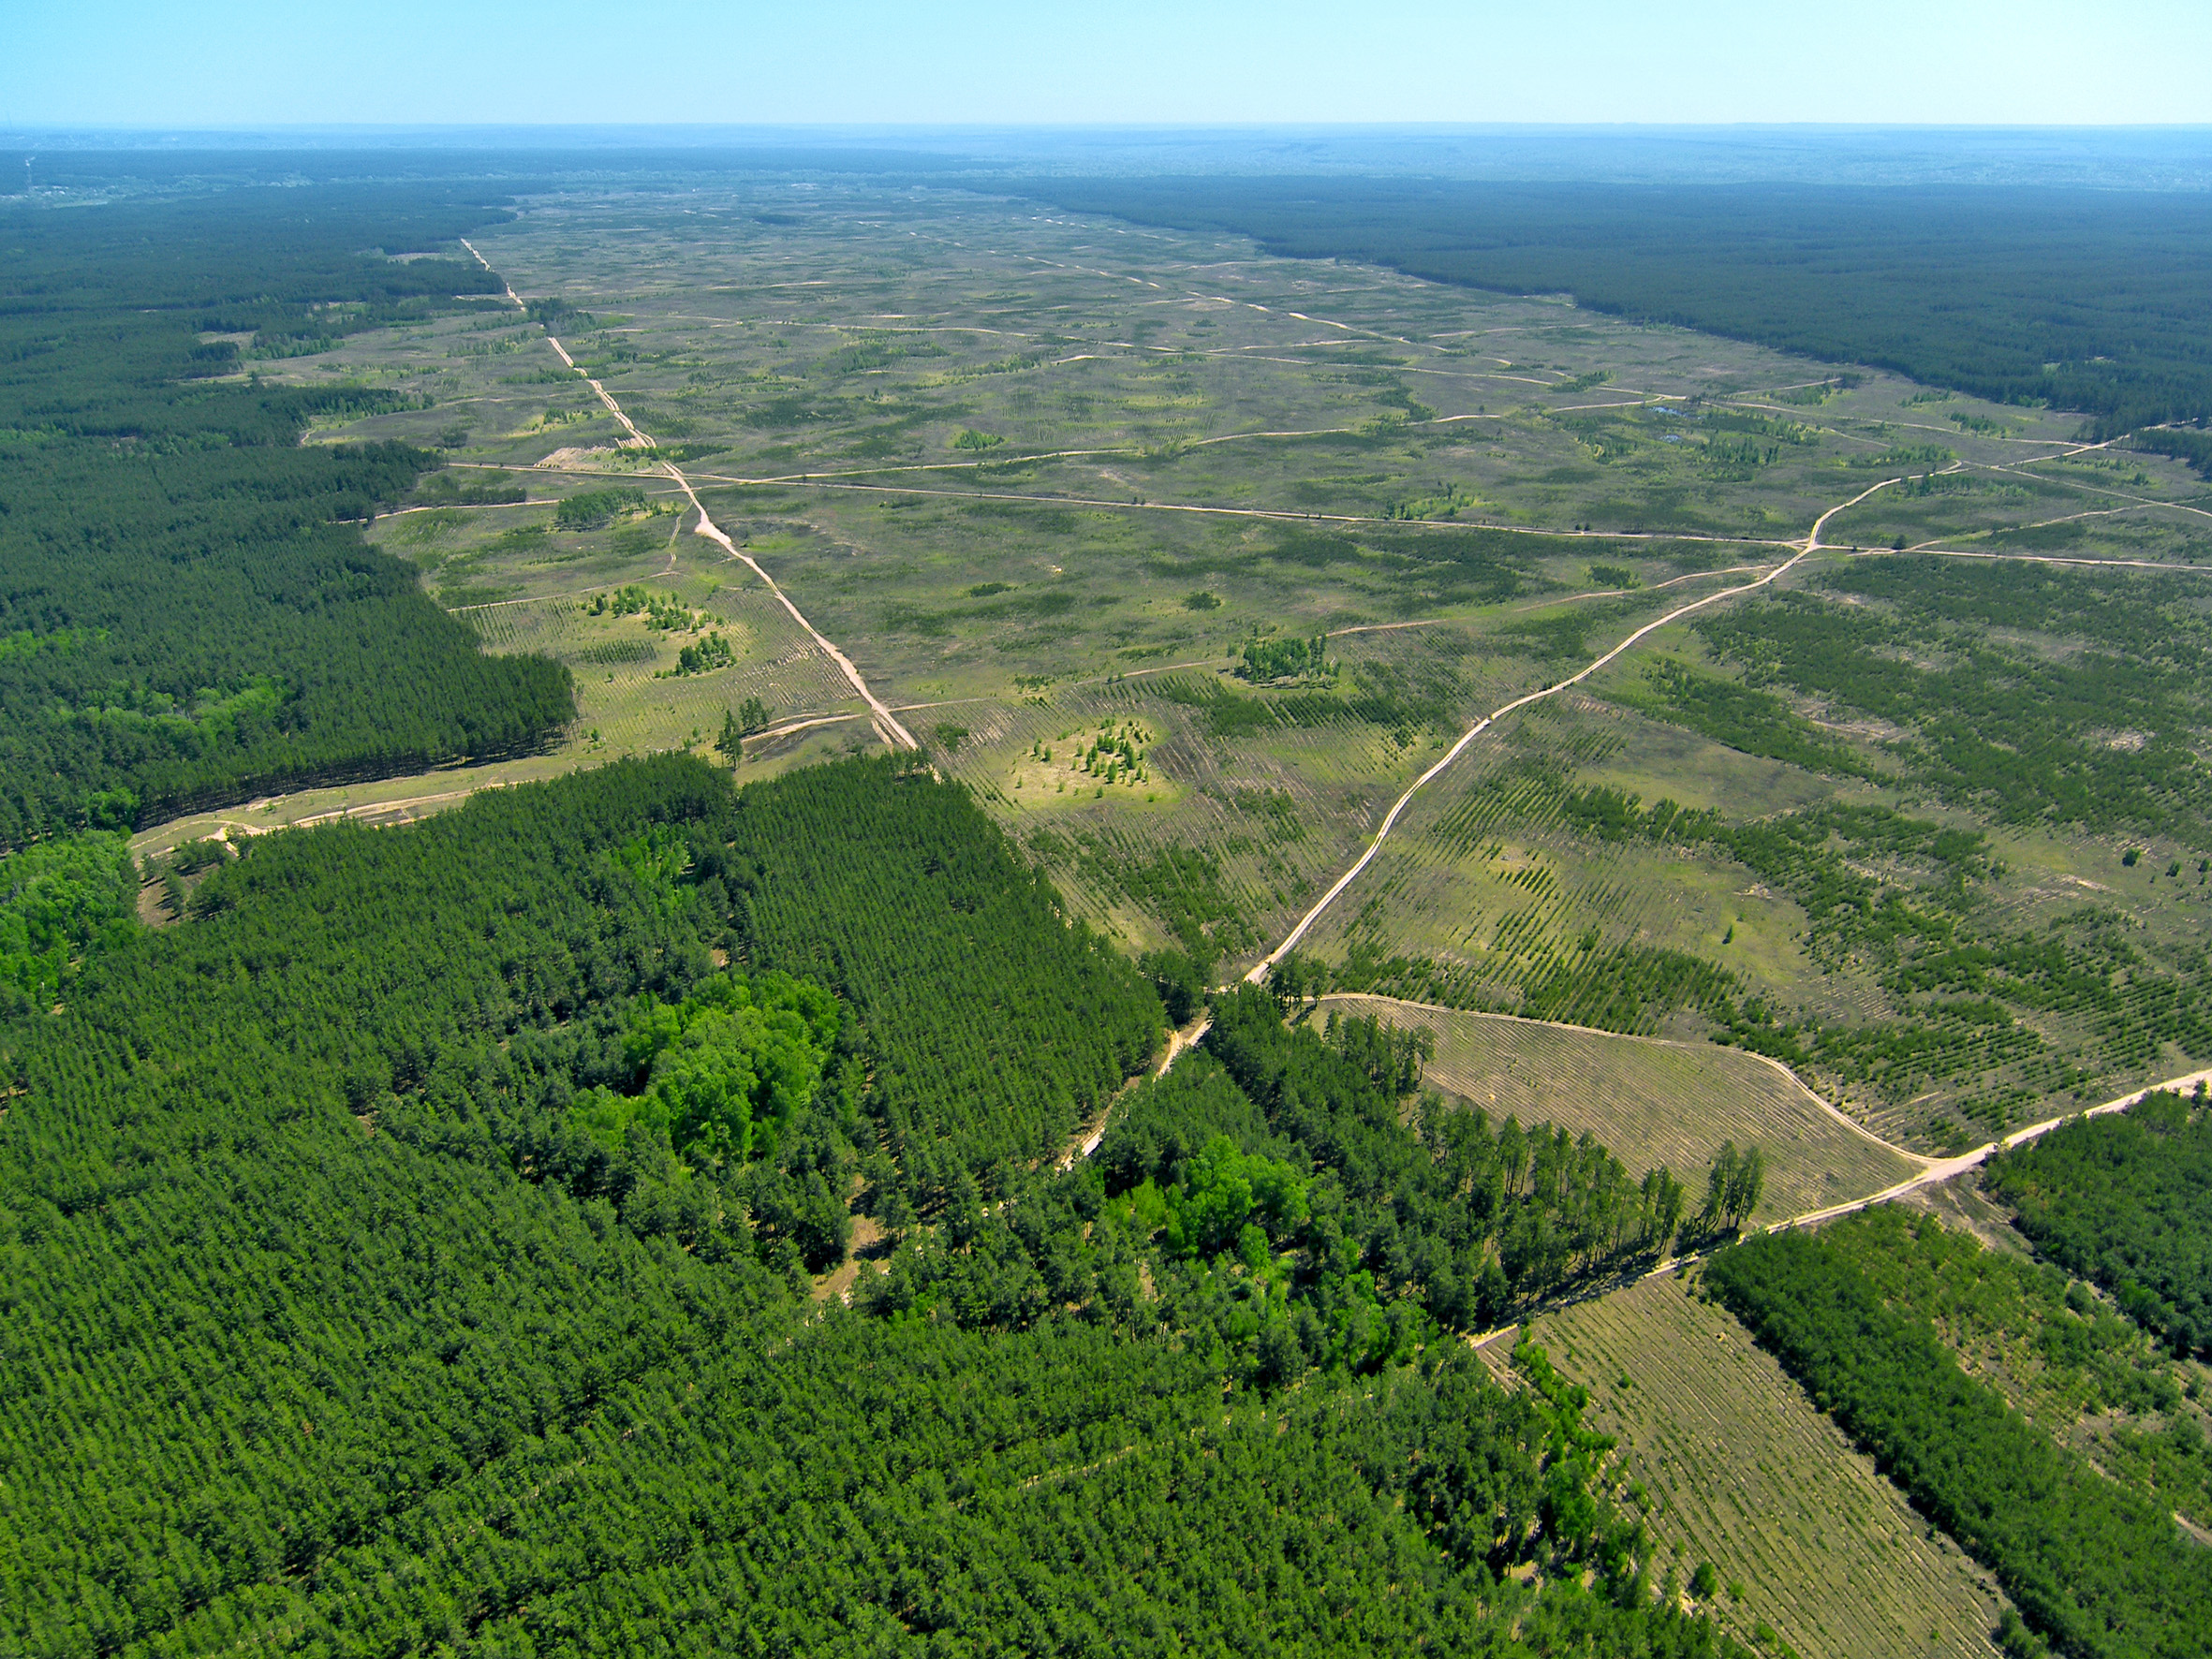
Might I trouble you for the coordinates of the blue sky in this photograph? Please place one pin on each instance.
(222, 62)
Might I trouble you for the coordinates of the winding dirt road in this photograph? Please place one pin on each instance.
(1811, 545)
(1937, 1171)
(1942, 1169)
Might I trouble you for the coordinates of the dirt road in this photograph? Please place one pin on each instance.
(1088, 1138)
(1942, 1169)
(1811, 545)
(887, 723)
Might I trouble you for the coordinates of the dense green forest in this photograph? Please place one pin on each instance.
(187, 610)
(57, 902)
(2083, 299)
(894, 889)
(2095, 1569)
(1287, 1217)
(2127, 1200)
(406, 1251)
(2062, 1354)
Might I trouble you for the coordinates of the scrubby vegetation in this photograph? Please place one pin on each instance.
(1271, 659)
(2021, 735)
(1743, 716)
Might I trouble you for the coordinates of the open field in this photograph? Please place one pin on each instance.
(1650, 1101)
(1044, 477)
(1743, 1473)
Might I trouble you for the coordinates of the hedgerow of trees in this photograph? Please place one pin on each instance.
(2095, 1569)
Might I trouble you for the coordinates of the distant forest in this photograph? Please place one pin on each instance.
(188, 610)
(2096, 300)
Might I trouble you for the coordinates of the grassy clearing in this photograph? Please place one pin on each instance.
(1651, 1101)
(1008, 481)
(1487, 878)
(1742, 1472)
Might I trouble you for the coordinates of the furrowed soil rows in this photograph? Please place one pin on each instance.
(1650, 1101)
(1745, 1474)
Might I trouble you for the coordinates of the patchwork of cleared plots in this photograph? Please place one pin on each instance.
(1247, 805)
(847, 333)
(998, 455)
(988, 421)
(1743, 1473)
(1518, 912)
(1650, 1101)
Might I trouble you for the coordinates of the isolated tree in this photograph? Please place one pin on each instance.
(1744, 1186)
(1732, 1187)
(731, 742)
(1718, 1179)
(1494, 1296)
(1295, 979)
(1663, 1208)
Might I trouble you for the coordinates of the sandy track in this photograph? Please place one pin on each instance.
(885, 724)
(1811, 545)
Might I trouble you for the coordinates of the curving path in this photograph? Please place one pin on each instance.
(1811, 545)
(1936, 1172)
(1841, 1118)
(1942, 1169)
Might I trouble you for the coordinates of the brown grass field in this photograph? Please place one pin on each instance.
(1650, 1101)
